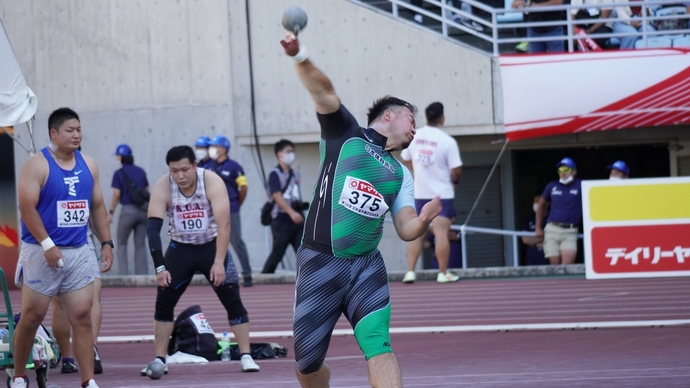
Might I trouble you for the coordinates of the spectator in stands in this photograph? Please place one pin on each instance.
(560, 232)
(627, 23)
(534, 252)
(552, 46)
(464, 20)
(592, 14)
(417, 17)
(457, 17)
(619, 170)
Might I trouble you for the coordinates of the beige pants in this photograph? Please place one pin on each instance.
(557, 238)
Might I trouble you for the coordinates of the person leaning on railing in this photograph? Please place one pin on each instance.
(629, 22)
(592, 14)
(543, 31)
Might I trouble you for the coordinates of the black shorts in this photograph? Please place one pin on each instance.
(183, 261)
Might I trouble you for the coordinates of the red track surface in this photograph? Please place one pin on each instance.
(630, 357)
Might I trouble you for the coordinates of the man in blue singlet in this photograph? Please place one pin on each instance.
(339, 267)
(58, 191)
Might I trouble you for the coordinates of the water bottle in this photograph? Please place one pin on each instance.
(5, 336)
(225, 347)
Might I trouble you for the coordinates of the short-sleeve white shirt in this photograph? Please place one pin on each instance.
(433, 154)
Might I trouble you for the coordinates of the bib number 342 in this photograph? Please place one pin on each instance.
(72, 214)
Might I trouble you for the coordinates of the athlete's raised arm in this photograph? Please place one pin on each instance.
(314, 80)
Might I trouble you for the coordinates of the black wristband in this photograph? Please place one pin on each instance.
(107, 242)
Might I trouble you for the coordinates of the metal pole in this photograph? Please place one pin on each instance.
(515, 251)
(444, 14)
(15, 139)
(463, 239)
(30, 123)
(494, 32)
(569, 29)
(486, 183)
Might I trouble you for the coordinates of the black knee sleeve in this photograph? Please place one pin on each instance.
(229, 296)
(165, 304)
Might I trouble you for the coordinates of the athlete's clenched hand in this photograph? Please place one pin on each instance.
(431, 209)
(217, 273)
(53, 255)
(163, 279)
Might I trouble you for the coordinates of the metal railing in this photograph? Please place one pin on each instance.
(441, 13)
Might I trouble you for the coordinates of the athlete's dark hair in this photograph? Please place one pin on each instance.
(127, 159)
(59, 116)
(178, 153)
(281, 144)
(386, 103)
(434, 113)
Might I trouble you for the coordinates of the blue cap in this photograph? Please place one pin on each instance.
(202, 141)
(123, 150)
(220, 140)
(567, 162)
(620, 166)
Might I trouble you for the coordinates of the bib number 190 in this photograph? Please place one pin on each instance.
(194, 224)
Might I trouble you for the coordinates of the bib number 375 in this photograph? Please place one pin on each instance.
(361, 197)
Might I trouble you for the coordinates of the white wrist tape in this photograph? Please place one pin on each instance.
(301, 55)
(47, 243)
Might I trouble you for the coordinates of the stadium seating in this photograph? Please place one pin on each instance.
(683, 41)
(654, 42)
(509, 17)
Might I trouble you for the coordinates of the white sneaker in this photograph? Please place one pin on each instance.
(473, 25)
(165, 370)
(92, 384)
(447, 277)
(410, 277)
(248, 364)
(19, 382)
(418, 18)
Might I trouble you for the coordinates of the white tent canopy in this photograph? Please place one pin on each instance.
(18, 103)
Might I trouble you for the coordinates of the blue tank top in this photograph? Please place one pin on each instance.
(64, 203)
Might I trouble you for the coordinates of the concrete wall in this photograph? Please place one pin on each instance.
(158, 74)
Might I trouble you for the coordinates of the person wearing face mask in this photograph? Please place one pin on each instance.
(565, 198)
(288, 220)
(201, 153)
(534, 246)
(618, 170)
(236, 182)
(132, 217)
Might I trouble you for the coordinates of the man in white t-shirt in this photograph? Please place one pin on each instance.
(434, 157)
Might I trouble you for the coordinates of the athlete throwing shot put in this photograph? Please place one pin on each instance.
(198, 210)
(339, 267)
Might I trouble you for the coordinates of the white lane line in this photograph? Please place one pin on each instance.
(602, 296)
(439, 329)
